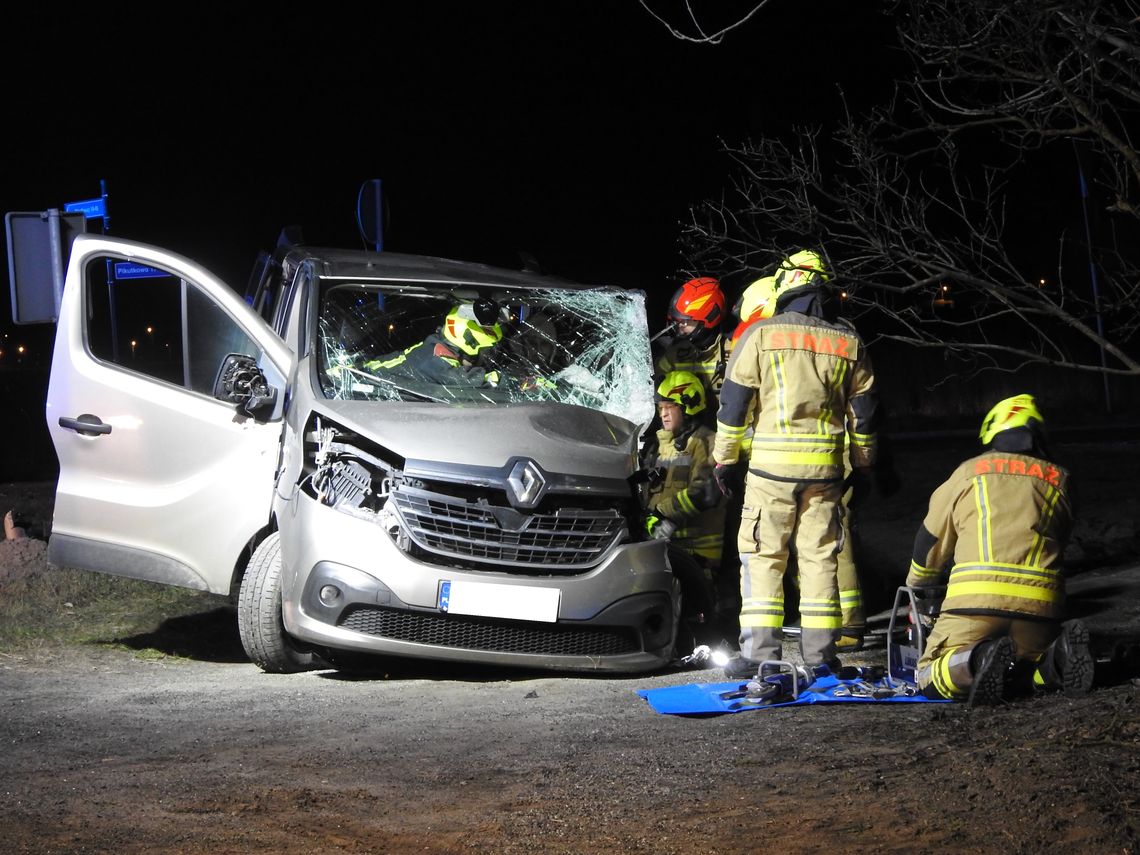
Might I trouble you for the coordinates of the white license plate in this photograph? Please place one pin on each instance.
(487, 599)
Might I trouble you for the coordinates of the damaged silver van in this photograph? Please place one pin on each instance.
(276, 449)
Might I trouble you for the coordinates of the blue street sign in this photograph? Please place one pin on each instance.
(127, 270)
(90, 208)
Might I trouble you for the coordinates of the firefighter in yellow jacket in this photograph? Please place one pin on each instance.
(699, 346)
(806, 383)
(1000, 523)
(757, 303)
(454, 355)
(682, 501)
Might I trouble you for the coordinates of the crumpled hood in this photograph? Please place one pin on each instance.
(558, 437)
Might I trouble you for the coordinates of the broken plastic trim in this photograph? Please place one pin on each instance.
(344, 470)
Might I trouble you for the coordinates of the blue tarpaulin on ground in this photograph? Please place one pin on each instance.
(705, 698)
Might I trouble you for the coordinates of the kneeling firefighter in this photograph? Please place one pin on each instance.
(1001, 522)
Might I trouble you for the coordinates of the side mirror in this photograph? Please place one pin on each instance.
(240, 382)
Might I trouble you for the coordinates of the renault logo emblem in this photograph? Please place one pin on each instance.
(525, 484)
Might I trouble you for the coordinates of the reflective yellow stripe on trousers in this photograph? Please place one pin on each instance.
(762, 611)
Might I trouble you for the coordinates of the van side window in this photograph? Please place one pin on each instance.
(148, 321)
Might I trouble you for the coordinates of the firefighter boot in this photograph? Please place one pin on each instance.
(1067, 664)
(994, 661)
(741, 668)
(850, 639)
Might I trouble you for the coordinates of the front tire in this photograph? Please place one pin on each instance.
(260, 626)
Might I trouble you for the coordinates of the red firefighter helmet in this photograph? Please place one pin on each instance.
(699, 301)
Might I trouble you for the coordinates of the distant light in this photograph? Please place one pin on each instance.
(1042, 283)
(19, 348)
(842, 295)
(149, 330)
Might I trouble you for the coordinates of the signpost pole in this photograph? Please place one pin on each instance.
(92, 209)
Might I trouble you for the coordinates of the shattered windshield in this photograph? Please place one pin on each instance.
(401, 341)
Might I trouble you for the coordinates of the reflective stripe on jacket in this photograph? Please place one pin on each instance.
(708, 364)
(800, 383)
(432, 360)
(687, 493)
(1003, 520)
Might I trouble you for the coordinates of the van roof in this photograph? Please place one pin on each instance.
(394, 266)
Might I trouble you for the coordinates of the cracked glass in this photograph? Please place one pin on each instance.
(404, 342)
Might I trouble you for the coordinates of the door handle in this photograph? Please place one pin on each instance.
(86, 425)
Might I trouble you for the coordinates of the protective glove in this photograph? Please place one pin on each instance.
(926, 621)
(492, 378)
(726, 475)
(659, 528)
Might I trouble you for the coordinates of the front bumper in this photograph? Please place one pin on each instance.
(346, 586)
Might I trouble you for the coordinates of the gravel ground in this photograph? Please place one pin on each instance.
(106, 751)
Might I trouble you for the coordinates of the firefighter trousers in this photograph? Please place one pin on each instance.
(850, 592)
(777, 514)
(945, 661)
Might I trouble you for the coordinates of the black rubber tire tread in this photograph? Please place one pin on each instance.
(991, 678)
(1077, 678)
(259, 614)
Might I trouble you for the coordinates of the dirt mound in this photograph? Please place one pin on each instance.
(25, 521)
(21, 558)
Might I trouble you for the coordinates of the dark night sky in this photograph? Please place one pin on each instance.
(579, 132)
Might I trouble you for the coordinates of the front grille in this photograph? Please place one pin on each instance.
(478, 531)
(467, 633)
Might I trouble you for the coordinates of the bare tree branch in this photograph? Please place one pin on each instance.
(922, 205)
(698, 33)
